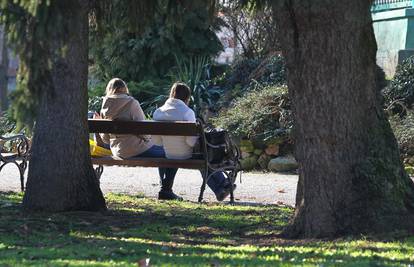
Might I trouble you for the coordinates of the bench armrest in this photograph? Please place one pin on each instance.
(22, 144)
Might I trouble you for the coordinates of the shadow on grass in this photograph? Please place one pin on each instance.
(174, 233)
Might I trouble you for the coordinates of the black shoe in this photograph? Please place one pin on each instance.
(169, 195)
(225, 192)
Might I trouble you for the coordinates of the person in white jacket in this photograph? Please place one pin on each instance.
(181, 147)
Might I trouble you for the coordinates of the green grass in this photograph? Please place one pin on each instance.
(180, 234)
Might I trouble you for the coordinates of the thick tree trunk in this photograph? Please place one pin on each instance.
(351, 177)
(4, 66)
(61, 176)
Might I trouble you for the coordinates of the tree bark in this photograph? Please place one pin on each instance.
(351, 177)
(4, 67)
(61, 177)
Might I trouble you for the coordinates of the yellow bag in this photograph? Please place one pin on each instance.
(97, 151)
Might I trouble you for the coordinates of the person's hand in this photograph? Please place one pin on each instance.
(96, 115)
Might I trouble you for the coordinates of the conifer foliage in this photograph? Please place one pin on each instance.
(147, 50)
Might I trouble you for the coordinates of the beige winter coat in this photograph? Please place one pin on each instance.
(127, 108)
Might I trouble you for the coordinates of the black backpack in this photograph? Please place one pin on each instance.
(220, 148)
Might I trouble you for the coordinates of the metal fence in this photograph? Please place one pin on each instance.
(382, 5)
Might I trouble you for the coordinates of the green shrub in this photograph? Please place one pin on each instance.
(248, 74)
(404, 132)
(195, 73)
(119, 50)
(262, 114)
(239, 74)
(265, 71)
(271, 71)
(95, 103)
(96, 90)
(401, 88)
(7, 123)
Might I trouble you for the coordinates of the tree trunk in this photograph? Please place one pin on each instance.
(61, 176)
(351, 177)
(4, 67)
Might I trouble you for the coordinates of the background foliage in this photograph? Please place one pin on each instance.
(253, 28)
(263, 113)
(246, 74)
(404, 132)
(401, 88)
(7, 124)
(27, 22)
(399, 102)
(150, 52)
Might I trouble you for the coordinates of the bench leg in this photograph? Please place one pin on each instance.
(203, 186)
(98, 172)
(232, 180)
(22, 169)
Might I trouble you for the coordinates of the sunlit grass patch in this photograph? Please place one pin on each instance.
(177, 233)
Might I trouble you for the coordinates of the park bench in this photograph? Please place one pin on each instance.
(15, 150)
(200, 161)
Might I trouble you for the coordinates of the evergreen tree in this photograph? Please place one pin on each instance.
(51, 39)
(149, 51)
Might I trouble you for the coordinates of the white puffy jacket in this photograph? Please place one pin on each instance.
(176, 147)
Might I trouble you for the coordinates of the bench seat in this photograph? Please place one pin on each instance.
(10, 156)
(199, 161)
(151, 162)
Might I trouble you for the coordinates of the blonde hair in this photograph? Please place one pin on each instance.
(180, 91)
(116, 86)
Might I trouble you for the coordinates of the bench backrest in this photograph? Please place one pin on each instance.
(177, 128)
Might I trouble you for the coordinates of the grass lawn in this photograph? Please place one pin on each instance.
(181, 234)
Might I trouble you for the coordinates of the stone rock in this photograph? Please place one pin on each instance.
(272, 150)
(245, 155)
(246, 146)
(257, 152)
(249, 163)
(283, 164)
(263, 161)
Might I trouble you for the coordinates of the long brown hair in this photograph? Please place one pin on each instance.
(116, 86)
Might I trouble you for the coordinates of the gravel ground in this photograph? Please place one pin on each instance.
(263, 188)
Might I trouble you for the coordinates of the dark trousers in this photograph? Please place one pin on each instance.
(167, 175)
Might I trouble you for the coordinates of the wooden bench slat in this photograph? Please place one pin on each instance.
(150, 162)
(144, 127)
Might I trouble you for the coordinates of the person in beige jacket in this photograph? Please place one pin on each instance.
(119, 105)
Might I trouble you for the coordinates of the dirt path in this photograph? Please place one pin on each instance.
(269, 188)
